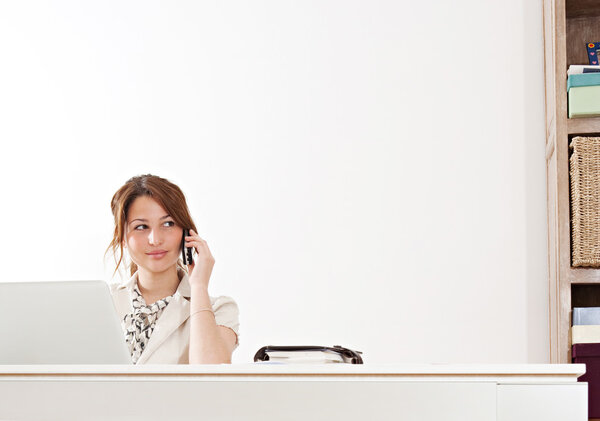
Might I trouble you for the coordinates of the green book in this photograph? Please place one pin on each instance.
(584, 101)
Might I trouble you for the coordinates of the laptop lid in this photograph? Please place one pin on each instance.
(65, 322)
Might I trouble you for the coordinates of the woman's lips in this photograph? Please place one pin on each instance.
(157, 254)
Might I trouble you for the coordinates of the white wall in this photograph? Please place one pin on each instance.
(366, 173)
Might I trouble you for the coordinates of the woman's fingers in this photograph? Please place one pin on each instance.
(196, 241)
(200, 245)
(194, 236)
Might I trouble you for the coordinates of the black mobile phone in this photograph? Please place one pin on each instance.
(186, 252)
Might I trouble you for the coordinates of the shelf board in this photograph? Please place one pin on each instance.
(582, 8)
(584, 275)
(584, 126)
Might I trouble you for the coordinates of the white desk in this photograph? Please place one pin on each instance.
(294, 392)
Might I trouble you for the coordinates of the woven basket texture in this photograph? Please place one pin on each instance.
(585, 201)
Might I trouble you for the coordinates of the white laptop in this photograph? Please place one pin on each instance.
(70, 322)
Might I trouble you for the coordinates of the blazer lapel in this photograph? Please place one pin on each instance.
(173, 316)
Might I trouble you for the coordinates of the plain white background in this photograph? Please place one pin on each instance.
(367, 173)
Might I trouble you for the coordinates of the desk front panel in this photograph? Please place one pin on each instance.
(184, 399)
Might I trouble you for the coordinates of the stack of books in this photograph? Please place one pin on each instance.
(583, 87)
(585, 337)
(586, 325)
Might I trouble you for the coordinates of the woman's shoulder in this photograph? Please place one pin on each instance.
(222, 301)
(226, 312)
(123, 285)
(112, 286)
(116, 287)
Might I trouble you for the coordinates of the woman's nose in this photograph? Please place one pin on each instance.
(154, 238)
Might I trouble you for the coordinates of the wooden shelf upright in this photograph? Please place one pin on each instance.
(568, 26)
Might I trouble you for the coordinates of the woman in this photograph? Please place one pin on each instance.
(166, 312)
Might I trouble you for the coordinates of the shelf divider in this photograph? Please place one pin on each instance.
(583, 126)
(584, 276)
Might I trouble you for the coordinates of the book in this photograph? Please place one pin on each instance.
(593, 49)
(585, 334)
(583, 79)
(586, 316)
(589, 354)
(575, 69)
(304, 357)
(310, 354)
(584, 101)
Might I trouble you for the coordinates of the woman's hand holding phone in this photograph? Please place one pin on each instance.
(201, 268)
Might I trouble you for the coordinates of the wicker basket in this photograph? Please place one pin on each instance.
(585, 201)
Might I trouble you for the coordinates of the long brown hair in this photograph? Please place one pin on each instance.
(167, 194)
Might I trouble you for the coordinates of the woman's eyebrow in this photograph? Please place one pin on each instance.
(145, 220)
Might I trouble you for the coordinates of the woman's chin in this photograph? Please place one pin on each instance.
(158, 267)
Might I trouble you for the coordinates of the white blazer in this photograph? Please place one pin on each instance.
(170, 340)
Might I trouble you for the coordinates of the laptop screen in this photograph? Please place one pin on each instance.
(65, 322)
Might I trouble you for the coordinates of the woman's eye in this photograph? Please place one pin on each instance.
(140, 227)
(169, 224)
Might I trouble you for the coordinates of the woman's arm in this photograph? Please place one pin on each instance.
(209, 343)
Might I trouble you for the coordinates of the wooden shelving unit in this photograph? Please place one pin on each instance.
(568, 26)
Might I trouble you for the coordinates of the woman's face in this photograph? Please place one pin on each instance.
(152, 238)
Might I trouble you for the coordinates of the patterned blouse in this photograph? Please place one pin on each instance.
(139, 325)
